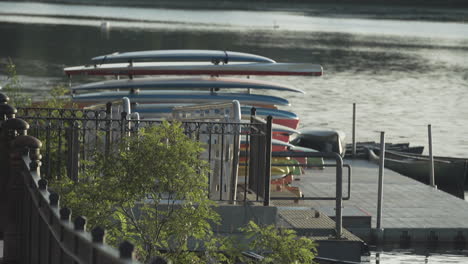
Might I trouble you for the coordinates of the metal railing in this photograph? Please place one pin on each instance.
(259, 154)
(317, 198)
(70, 137)
(339, 182)
(35, 228)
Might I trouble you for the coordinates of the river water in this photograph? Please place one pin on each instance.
(403, 75)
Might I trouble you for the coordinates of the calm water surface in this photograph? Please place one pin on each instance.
(403, 75)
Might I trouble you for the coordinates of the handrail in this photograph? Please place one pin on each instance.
(339, 180)
(35, 228)
(52, 215)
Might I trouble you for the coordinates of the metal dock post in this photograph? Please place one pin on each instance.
(339, 183)
(379, 231)
(431, 157)
(269, 129)
(381, 178)
(354, 131)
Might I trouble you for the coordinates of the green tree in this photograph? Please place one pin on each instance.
(57, 100)
(14, 88)
(58, 97)
(280, 245)
(151, 191)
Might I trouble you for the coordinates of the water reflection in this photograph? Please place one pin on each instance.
(401, 83)
(338, 52)
(233, 20)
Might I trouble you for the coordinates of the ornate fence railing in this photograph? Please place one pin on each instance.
(70, 137)
(34, 227)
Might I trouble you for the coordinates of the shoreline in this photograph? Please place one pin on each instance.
(435, 10)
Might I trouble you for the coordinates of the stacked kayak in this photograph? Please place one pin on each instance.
(158, 97)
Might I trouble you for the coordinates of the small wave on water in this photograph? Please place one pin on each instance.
(137, 17)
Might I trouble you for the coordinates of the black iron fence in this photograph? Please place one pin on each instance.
(70, 136)
(33, 225)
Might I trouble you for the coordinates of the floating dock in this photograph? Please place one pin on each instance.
(412, 211)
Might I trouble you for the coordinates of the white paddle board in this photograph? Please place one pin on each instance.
(180, 96)
(245, 110)
(214, 56)
(185, 83)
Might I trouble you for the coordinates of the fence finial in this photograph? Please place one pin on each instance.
(80, 223)
(54, 199)
(126, 250)
(7, 111)
(22, 145)
(4, 98)
(32, 145)
(42, 184)
(65, 214)
(253, 111)
(98, 234)
(15, 126)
